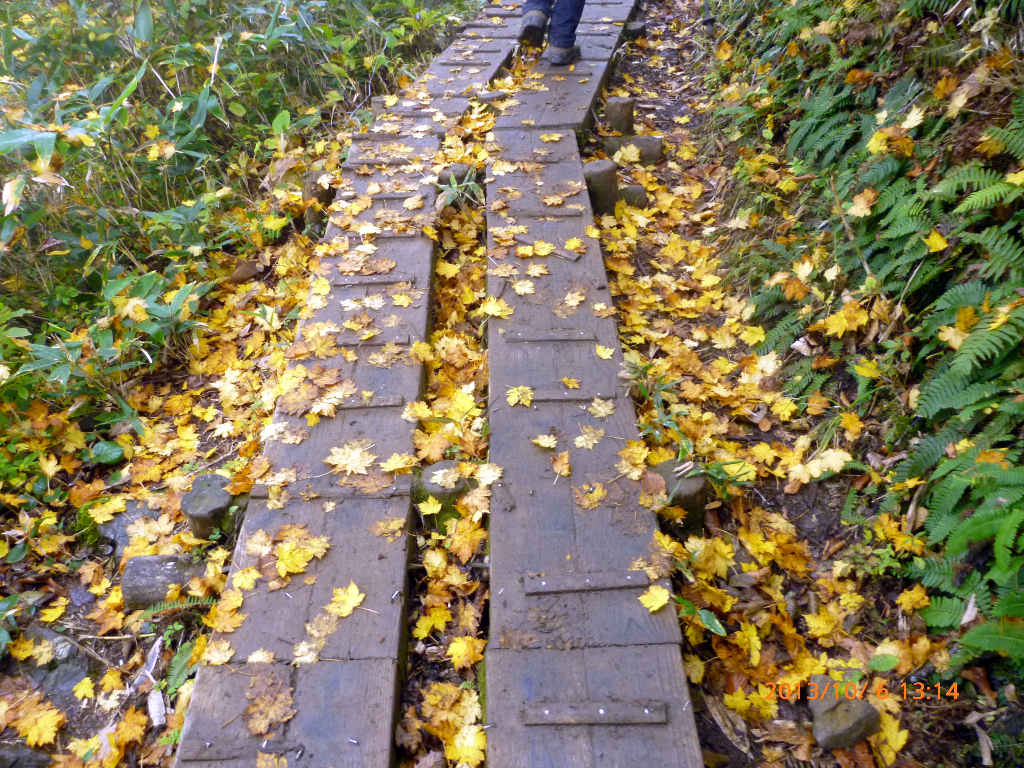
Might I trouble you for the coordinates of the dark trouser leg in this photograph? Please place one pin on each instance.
(565, 17)
(544, 6)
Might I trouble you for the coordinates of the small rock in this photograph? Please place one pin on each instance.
(63, 649)
(244, 271)
(147, 577)
(690, 493)
(840, 723)
(314, 192)
(20, 756)
(426, 485)
(81, 596)
(634, 30)
(652, 148)
(115, 532)
(206, 504)
(58, 680)
(489, 97)
(636, 196)
(377, 107)
(454, 173)
(618, 114)
(603, 185)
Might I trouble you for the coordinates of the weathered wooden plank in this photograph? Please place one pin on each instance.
(344, 717)
(641, 673)
(515, 678)
(584, 582)
(594, 713)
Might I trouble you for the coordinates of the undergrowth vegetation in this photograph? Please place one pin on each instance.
(146, 150)
(879, 219)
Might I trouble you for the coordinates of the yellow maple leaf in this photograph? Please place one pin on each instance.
(516, 395)
(21, 648)
(545, 441)
(1015, 178)
(560, 463)
(862, 203)
(55, 610)
(655, 598)
(935, 242)
(571, 383)
(723, 52)
(466, 651)
(84, 689)
(601, 409)
(38, 725)
(399, 463)
(879, 143)
(541, 248)
(576, 244)
(748, 641)
(413, 203)
(218, 652)
(111, 681)
(591, 436)
(549, 137)
(913, 599)
(353, 458)
(627, 154)
(292, 558)
(49, 465)
(245, 578)
(852, 424)
(429, 507)
(867, 368)
(436, 618)
(345, 600)
(495, 307)
(467, 746)
(890, 739)
(605, 353)
(952, 335)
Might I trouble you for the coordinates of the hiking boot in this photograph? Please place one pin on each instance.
(560, 57)
(535, 24)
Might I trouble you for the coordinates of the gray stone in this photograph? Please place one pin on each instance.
(652, 148)
(63, 649)
(846, 724)
(634, 30)
(20, 756)
(314, 193)
(147, 578)
(840, 722)
(603, 185)
(618, 114)
(636, 196)
(377, 107)
(690, 493)
(206, 505)
(426, 486)
(58, 678)
(489, 97)
(115, 531)
(82, 596)
(454, 173)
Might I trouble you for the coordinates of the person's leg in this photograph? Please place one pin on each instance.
(565, 17)
(544, 6)
(535, 22)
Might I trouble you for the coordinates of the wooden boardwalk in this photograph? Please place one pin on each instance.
(578, 672)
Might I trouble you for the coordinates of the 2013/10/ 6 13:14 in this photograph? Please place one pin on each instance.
(851, 690)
